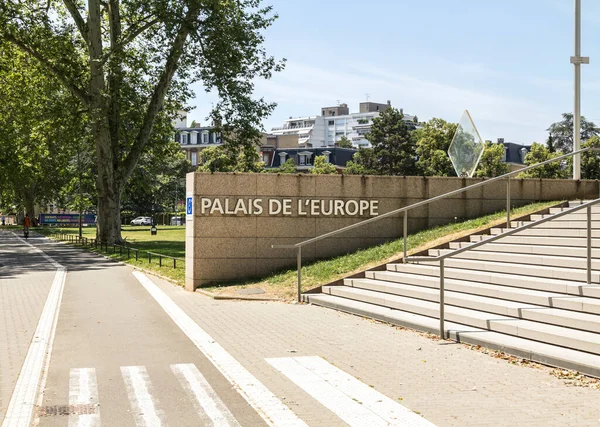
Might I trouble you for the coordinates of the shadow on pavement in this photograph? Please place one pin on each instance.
(18, 258)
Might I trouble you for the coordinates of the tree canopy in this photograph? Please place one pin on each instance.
(344, 142)
(540, 153)
(393, 144)
(561, 133)
(432, 142)
(491, 163)
(41, 131)
(322, 167)
(130, 63)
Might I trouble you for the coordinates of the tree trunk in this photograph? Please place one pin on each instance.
(109, 190)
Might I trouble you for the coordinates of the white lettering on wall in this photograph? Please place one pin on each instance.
(287, 207)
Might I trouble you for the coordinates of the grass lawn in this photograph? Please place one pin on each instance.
(170, 240)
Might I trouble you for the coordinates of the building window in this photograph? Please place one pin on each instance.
(331, 122)
(194, 158)
(504, 155)
(282, 157)
(205, 138)
(326, 155)
(304, 158)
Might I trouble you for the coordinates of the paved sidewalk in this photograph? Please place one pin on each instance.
(116, 347)
(449, 384)
(25, 279)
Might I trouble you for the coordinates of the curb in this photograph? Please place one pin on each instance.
(234, 297)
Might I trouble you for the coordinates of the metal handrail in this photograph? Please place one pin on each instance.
(298, 246)
(443, 257)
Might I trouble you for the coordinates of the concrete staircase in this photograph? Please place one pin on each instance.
(525, 294)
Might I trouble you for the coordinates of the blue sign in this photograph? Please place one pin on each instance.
(189, 206)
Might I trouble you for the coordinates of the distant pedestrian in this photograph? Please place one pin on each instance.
(26, 225)
(3, 220)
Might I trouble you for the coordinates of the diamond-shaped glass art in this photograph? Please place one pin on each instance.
(466, 147)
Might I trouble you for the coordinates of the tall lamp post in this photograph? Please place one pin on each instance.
(577, 60)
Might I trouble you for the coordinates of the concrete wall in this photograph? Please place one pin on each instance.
(222, 247)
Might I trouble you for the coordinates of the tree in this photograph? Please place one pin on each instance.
(491, 163)
(287, 167)
(322, 167)
(550, 144)
(224, 158)
(157, 182)
(393, 145)
(540, 153)
(344, 142)
(590, 160)
(433, 141)
(130, 64)
(40, 132)
(362, 163)
(561, 133)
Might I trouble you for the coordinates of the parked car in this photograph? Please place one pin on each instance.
(142, 220)
(176, 220)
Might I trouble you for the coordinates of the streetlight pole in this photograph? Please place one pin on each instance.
(577, 60)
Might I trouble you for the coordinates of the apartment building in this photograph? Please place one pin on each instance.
(336, 122)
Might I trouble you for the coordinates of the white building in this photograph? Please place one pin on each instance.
(334, 123)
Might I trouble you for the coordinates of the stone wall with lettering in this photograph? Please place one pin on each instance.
(234, 219)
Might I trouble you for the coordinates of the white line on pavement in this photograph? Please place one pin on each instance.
(83, 390)
(268, 406)
(206, 399)
(137, 383)
(350, 399)
(20, 408)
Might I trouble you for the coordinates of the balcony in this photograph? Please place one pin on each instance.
(293, 127)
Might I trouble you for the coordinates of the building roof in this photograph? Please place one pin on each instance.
(513, 152)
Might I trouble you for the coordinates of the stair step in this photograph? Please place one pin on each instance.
(557, 335)
(560, 286)
(575, 216)
(517, 309)
(521, 239)
(537, 351)
(569, 224)
(515, 248)
(549, 232)
(521, 258)
(541, 271)
(524, 295)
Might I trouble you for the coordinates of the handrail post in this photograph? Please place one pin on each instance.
(442, 332)
(508, 202)
(405, 232)
(589, 245)
(299, 261)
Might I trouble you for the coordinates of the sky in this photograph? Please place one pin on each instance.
(507, 62)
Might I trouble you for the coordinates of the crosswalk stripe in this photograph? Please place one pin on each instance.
(137, 383)
(350, 399)
(207, 401)
(268, 406)
(83, 390)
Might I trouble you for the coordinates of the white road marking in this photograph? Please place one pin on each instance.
(137, 383)
(20, 408)
(207, 401)
(83, 390)
(268, 406)
(350, 399)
